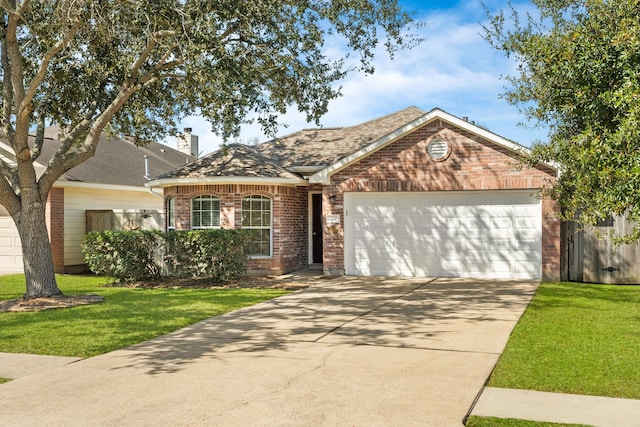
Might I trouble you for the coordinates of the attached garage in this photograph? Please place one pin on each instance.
(479, 234)
(10, 247)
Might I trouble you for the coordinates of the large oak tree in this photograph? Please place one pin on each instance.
(579, 74)
(135, 67)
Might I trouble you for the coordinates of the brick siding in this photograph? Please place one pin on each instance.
(473, 164)
(55, 225)
(289, 220)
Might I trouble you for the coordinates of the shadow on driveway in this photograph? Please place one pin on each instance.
(444, 314)
(355, 351)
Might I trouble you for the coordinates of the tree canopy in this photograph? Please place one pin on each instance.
(579, 74)
(135, 67)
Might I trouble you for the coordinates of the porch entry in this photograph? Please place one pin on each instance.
(316, 228)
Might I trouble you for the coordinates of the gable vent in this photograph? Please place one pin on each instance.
(438, 149)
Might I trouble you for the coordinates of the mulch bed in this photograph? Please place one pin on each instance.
(248, 282)
(64, 301)
(48, 303)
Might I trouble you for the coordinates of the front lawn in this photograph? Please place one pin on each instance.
(576, 338)
(127, 316)
(509, 422)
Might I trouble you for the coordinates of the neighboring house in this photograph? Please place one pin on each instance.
(113, 180)
(413, 193)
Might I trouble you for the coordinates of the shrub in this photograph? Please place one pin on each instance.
(219, 254)
(130, 255)
(127, 256)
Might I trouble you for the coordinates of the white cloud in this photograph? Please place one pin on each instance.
(454, 69)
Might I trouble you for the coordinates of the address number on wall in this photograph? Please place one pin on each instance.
(332, 219)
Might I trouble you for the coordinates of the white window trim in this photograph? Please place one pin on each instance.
(171, 207)
(257, 256)
(212, 227)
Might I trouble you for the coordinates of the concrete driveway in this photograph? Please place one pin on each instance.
(348, 351)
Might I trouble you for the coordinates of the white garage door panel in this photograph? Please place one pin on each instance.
(492, 234)
(10, 247)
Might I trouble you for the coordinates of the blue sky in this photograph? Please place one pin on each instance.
(453, 69)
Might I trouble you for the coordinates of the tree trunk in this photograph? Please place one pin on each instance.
(36, 252)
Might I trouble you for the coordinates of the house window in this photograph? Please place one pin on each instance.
(256, 215)
(205, 212)
(171, 213)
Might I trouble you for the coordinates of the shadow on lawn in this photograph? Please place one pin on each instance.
(452, 314)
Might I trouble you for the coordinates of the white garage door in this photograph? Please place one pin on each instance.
(480, 234)
(10, 249)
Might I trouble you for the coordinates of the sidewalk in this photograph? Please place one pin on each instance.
(558, 407)
(14, 365)
(493, 402)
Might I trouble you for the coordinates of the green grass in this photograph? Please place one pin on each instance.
(127, 316)
(4, 380)
(509, 422)
(576, 338)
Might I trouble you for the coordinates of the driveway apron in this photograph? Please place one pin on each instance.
(357, 351)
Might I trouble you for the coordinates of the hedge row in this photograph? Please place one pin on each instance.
(130, 256)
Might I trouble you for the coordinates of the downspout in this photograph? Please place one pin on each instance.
(148, 177)
(155, 194)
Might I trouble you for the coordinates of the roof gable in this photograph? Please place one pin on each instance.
(323, 176)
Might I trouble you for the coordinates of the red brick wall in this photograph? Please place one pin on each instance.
(551, 225)
(473, 164)
(289, 219)
(55, 225)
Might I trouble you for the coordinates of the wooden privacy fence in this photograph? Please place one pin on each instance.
(123, 220)
(590, 256)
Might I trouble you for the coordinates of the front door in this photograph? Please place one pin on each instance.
(316, 228)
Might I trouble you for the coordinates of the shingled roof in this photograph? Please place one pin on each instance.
(306, 152)
(325, 146)
(234, 160)
(312, 156)
(117, 161)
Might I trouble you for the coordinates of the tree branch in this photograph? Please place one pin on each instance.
(151, 45)
(63, 160)
(9, 199)
(42, 70)
(7, 93)
(10, 177)
(14, 57)
(137, 65)
(19, 11)
(39, 139)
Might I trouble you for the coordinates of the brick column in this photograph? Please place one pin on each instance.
(55, 225)
(550, 241)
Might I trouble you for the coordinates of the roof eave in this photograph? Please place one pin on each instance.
(306, 169)
(216, 180)
(98, 186)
